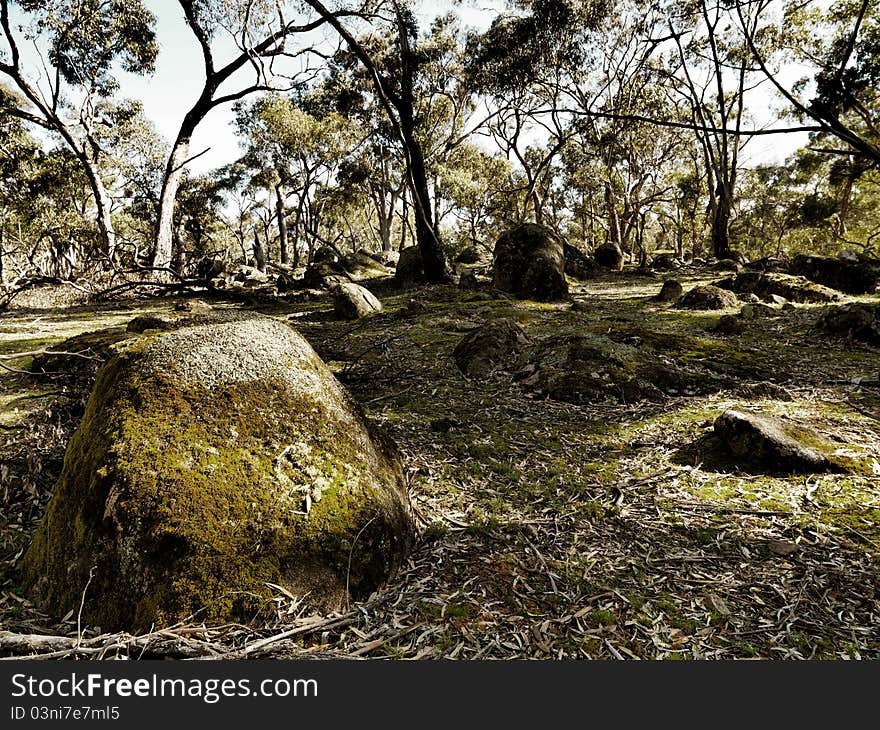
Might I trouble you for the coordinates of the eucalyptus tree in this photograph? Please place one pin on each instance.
(293, 152)
(78, 44)
(394, 72)
(247, 46)
(839, 42)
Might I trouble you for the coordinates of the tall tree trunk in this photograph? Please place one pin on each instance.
(259, 252)
(845, 200)
(404, 219)
(721, 209)
(282, 224)
(102, 204)
(163, 245)
(427, 237)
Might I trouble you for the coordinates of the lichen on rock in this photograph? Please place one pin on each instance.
(211, 461)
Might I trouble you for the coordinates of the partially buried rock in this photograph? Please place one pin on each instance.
(766, 285)
(670, 291)
(765, 441)
(352, 301)
(729, 325)
(468, 280)
(726, 265)
(758, 311)
(841, 273)
(529, 262)
(708, 297)
(858, 321)
(147, 322)
(666, 262)
(210, 462)
(493, 346)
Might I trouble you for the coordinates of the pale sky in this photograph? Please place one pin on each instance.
(177, 82)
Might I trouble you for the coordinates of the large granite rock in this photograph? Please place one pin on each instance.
(211, 461)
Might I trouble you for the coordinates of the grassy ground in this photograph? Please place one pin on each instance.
(553, 530)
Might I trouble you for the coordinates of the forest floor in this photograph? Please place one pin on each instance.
(547, 529)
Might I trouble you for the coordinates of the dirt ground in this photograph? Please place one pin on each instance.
(547, 529)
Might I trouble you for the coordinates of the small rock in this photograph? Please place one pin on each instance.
(666, 262)
(757, 311)
(443, 425)
(729, 325)
(719, 605)
(490, 347)
(783, 548)
(776, 299)
(762, 440)
(707, 297)
(352, 301)
(671, 291)
(468, 280)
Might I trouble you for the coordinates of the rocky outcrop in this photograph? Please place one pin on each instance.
(766, 285)
(210, 462)
(842, 274)
(858, 321)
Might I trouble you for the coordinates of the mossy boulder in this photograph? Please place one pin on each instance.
(852, 277)
(592, 368)
(610, 256)
(766, 285)
(361, 266)
(708, 297)
(492, 346)
(666, 261)
(145, 322)
(670, 291)
(210, 462)
(577, 264)
(858, 321)
(324, 276)
(529, 262)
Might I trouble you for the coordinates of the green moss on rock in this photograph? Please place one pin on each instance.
(211, 461)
